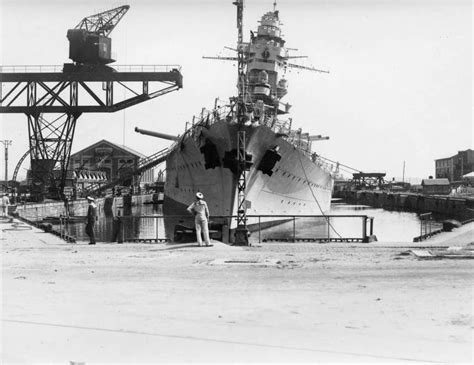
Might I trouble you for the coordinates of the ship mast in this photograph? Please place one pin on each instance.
(241, 232)
(240, 59)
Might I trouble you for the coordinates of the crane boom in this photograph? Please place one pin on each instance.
(103, 23)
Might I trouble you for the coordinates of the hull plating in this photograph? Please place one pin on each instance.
(297, 185)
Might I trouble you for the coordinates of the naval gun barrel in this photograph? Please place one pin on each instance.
(156, 134)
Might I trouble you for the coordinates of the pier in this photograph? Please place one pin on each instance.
(452, 207)
(245, 301)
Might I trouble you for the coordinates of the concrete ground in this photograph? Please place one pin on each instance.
(276, 302)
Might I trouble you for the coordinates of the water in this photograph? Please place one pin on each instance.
(389, 226)
(133, 227)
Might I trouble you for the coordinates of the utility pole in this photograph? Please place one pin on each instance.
(6, 143)
(403, 177)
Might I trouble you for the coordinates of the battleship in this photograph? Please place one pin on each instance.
(284, 175)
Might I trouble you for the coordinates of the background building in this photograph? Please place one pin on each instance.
(108, 160)
(453, 168)
(436, 186)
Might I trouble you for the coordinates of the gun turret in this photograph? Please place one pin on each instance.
(156, 134)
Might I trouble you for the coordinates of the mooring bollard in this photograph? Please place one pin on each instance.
(364, 227)
(259, 230)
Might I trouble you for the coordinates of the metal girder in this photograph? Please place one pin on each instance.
(170, 76)
(241, 182)
(50, 150)
(70, 94)
(241, 233)
(82, 92)
(103, 23)
(18, 165)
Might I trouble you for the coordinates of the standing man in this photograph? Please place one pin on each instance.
(91, 218)
(201, 216)
(5, 204)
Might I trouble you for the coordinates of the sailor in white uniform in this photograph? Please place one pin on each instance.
(201, 217)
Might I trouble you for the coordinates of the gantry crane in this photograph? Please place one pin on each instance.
(86, 86)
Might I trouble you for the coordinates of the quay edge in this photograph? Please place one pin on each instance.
(460, 208)
(105, 206)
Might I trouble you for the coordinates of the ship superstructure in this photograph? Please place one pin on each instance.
(284, 176)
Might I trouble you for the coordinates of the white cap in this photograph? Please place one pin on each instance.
(90, 198)
(199, 195)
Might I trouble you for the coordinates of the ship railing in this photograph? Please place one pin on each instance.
(295, 137)
(208, 117)
(262, 228)
(281, 126)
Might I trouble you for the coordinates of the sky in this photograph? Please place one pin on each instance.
(399, 88)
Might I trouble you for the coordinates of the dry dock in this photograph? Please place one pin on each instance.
(278, 302)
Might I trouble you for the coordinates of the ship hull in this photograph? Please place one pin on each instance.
(296, 186)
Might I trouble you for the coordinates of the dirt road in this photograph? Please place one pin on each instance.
(275, 302)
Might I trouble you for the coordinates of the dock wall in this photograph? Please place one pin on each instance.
(105, 206)
(459, 208)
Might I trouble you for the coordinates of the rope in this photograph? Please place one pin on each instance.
(315, 199)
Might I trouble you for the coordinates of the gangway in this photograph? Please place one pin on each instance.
(143, 165)
(152, 160)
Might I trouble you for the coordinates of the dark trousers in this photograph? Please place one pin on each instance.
(117, 233)
(90, 232)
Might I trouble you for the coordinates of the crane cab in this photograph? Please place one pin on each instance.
(89, 43)
(89, 48)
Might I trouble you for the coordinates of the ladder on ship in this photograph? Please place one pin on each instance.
(144, 164)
